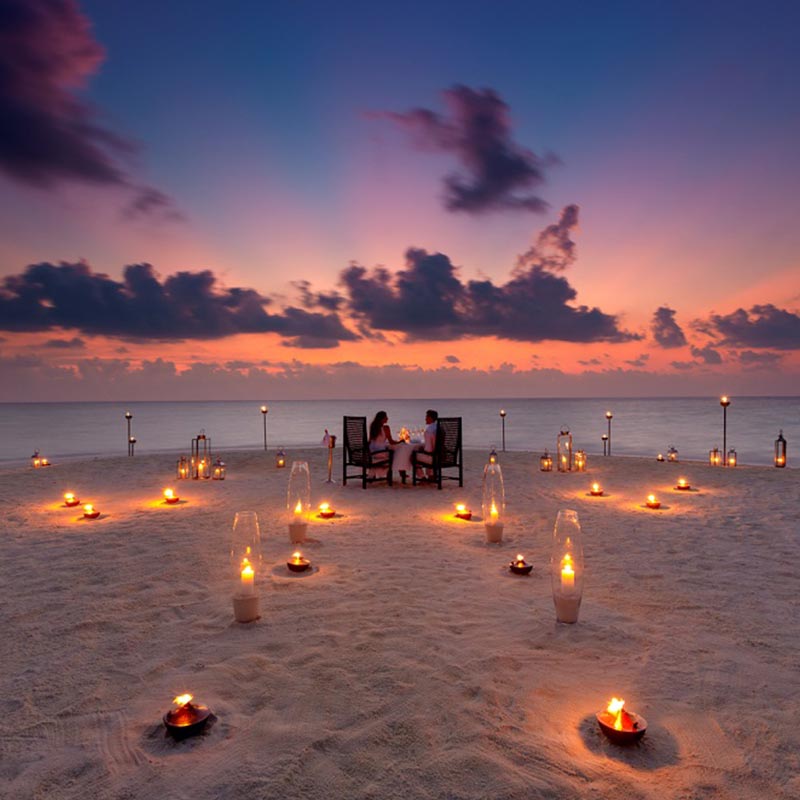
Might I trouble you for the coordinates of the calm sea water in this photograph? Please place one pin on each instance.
(639, 427)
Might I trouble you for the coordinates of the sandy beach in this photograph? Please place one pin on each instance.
(410, 663)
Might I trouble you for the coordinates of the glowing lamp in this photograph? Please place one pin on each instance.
(566, 566)
(182, 468)
(596, 490)
(186, 719)
(70, 500)
(580, 461)
(519, 567)
(546, 462)
(325, 511)
(493, 456)
(651, 501)
(714, 458)
(494, 503)
(219, 471)
(564, 450)
(90, 512)
(672, 455)
(170, 497)
(660, 457)
(780, 451)
(297, 563)
(36, 460)
(280, 458)
(45, 462)
(298, 501)
(683, 485)
(619, 725)
(731, 459)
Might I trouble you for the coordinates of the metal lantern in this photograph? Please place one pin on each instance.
(780, 450)
(201, 456)
(493, 456)
(494, 503)
(218, 471)
(36, 460)
(280, 458)
(714, 457)
(298, 501)
(672, 454)
(566, 566)
(564, 450)
(546, 462)
(580, 461)
(731, 460)
(182, 468)
(246, 566)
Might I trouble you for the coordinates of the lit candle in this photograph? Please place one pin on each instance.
(170, 496)
(297, 563)
(248, 578)
(45, 462)
(596, 490)
(90, 512)
(660, 457)
(619, 725)
(683, 485)
(652, 502)
(325, 510)
(567, 573)
(462, 512)
(70, 500)
(519, 567)
(298, 509)
(494, 514)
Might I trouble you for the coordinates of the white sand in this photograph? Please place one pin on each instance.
(410, 665)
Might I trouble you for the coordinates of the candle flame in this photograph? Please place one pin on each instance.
(88, 508)
(324, 506)
(247, 570)
(297, 557)
(169, 494)
(615, 707)
(595, 487)
(461, 508)
(651, 498)
(494, 513)
(520, 558)
(183, 699)
(681, 481)
(298, 509)
(69, 497)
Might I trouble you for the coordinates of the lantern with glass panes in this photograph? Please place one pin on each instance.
(731, 458)
(580, 461)
(182, 468)
(546, 462)
(201, 456)
(672, 454)
(280, 458)
(218, 471)
(564, 449)
(714, 458)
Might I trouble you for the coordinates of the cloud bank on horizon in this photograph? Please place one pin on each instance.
(48, 134)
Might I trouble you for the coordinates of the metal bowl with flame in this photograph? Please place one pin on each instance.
(186, 719)
(519, 567)
(621, 726)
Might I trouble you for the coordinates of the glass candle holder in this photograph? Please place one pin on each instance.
(246, 566)
(564, 450)
(566, 566)
(298, 501)
(493, 505)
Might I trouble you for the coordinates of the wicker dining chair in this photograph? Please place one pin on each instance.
(356, 453)
(447, 453)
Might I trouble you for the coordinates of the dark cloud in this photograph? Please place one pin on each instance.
(65, 344)
(665, 330)
(683, 365)
(554, 248)
(329, 301)
(639, 362)
(592, 362)
(48, 133)
(452, 359)
(762, 326)
(187, 305)
(427, 299)
(708, 355)
(497, 173)
(762, 360)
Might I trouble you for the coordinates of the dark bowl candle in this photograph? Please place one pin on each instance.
(187, 719)
(519, 567)
(621, 726)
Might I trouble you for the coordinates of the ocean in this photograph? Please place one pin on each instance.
(640, 427)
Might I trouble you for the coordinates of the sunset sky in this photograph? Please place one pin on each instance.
(208, 200)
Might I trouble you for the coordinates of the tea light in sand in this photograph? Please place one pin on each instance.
(462, 512)
(186, 719)
(660, 457)
(683, 485)
(596, 490)
(90, 512)
(170, 497)
(325, 511)
(652, 502)
(519, 567)
(297, 563)
(45, 462)
(70, 500)
(619, 725)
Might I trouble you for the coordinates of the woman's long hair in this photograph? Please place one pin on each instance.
(376, 426)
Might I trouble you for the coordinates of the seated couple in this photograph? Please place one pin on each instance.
(381, 441)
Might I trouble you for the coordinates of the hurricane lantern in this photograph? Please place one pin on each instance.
(566, 566)
(298, 501)
(780, 450)
(245, 566)
(218, 471)
(493, 505)
(580, 461)
(672, 454)
(564, 450)
(714, 458)
(731, 460)
(182, 468)
(280, 458)
(546, 462)
(201, 456)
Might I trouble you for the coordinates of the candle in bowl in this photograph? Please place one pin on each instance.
(652, 502)
(186, 719)
(462, 512)
(70, 500)
(325, 511)
(45, 462)
(90, 512)
(619, 725)
(596, 490)
(683, 485)
(297, 563)
(519, 567)
(660, 457)
(170, 496)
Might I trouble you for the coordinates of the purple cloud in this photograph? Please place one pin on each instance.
(497, 173)
(187, 305)
(763, 326)
(49, 134)
(665, 330)
(708, 355)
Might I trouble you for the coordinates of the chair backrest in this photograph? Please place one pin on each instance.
(448, 441)
(356, 444)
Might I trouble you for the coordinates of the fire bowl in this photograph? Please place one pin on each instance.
(517, 570)
(189, 720)
(301, 567)
(625, 736)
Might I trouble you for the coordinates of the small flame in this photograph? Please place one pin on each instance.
(651, 498)
(595, 487)
(615, 707)
(298, 509)
(88, 508)
(246, 560)
(297, 556)
(248, 571)
(169, 494)
(494, 513)
(681, 481)
(69, 497)
(183, 699)
(520, 559)
(324, 507)
(461, 508)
